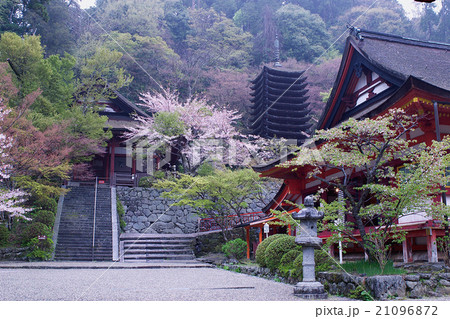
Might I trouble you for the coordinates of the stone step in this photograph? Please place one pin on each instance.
(158, 257)
(158, 251)
(155, 246)
(77, 224)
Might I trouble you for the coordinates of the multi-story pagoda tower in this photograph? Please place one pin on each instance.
(279, 107)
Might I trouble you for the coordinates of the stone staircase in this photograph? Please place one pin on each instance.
(75, 234)
(135, 247)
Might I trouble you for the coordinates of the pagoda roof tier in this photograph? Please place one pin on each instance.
(283, 120)
(277, 128)
(288, 92)
(280, 86)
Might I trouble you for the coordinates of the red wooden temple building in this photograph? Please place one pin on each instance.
(378, 72)
(112, 165)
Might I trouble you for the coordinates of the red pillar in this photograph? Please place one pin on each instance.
(431, 246)
(289, 230)
(261, 230)
(247, 235)
(407, 250)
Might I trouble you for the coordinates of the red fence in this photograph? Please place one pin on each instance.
(207, 224)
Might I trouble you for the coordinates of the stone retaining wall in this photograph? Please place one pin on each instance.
(387, 287)
(13, 253)
(145, 207)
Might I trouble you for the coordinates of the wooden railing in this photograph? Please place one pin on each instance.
(230, 221)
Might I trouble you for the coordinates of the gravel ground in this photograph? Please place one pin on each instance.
(184, 284)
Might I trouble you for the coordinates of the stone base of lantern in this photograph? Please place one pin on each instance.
(310, 290)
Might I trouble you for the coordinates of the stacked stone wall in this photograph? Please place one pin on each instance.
(145, 207)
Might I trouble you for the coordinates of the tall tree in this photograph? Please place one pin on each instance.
(375, 194)
(131, 16)
(14, 15)
(304, 35)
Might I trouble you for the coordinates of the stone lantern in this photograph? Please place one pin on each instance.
(309, 288)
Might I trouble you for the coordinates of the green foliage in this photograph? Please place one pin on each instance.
(304, 35)
(288, 258)
(235, 248)
(276, 249)
(360, 293)
(297, 266)
(4, 235)
(33, 230)
(168, 124)
(261, 250)
(40, 249)
(15, 15)
(323, 260)
(369, 146)
(371, 268)
(131, 16)
(216, 196)
(205, 169)
(45, 217)
(216, 41)
(443, 245)
(121, 213)
(150, 181)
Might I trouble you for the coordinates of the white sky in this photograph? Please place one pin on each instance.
(412, 7)
(84, 4)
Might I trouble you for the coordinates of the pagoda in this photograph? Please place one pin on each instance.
(279, 105)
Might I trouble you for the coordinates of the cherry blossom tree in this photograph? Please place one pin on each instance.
(195, 131)
(10, 199)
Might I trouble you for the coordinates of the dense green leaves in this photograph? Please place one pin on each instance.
(217, 195)
(304, 35)
(374, 193)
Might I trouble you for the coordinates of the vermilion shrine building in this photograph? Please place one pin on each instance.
(378, 72)
(111, 166)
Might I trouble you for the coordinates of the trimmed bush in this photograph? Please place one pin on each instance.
(235, 248)
(4, 235)
(323, 261)
(34, 230)
(45, 217)
(288, 258)
(297, 266)
(260, 251)
(40, 249)
(276, 249)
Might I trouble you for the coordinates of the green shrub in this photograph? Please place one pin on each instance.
(286, 267)
(45, 217)
(323, 260)
(34, 230)
(45, 203)
(4, 235)
(236, 248)
(288, 258)
(260, 251)
(149, 181)
(276, 249)
(121, 213)
(205, 169)
(40, 249)
(361, 294)
(297, 267)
